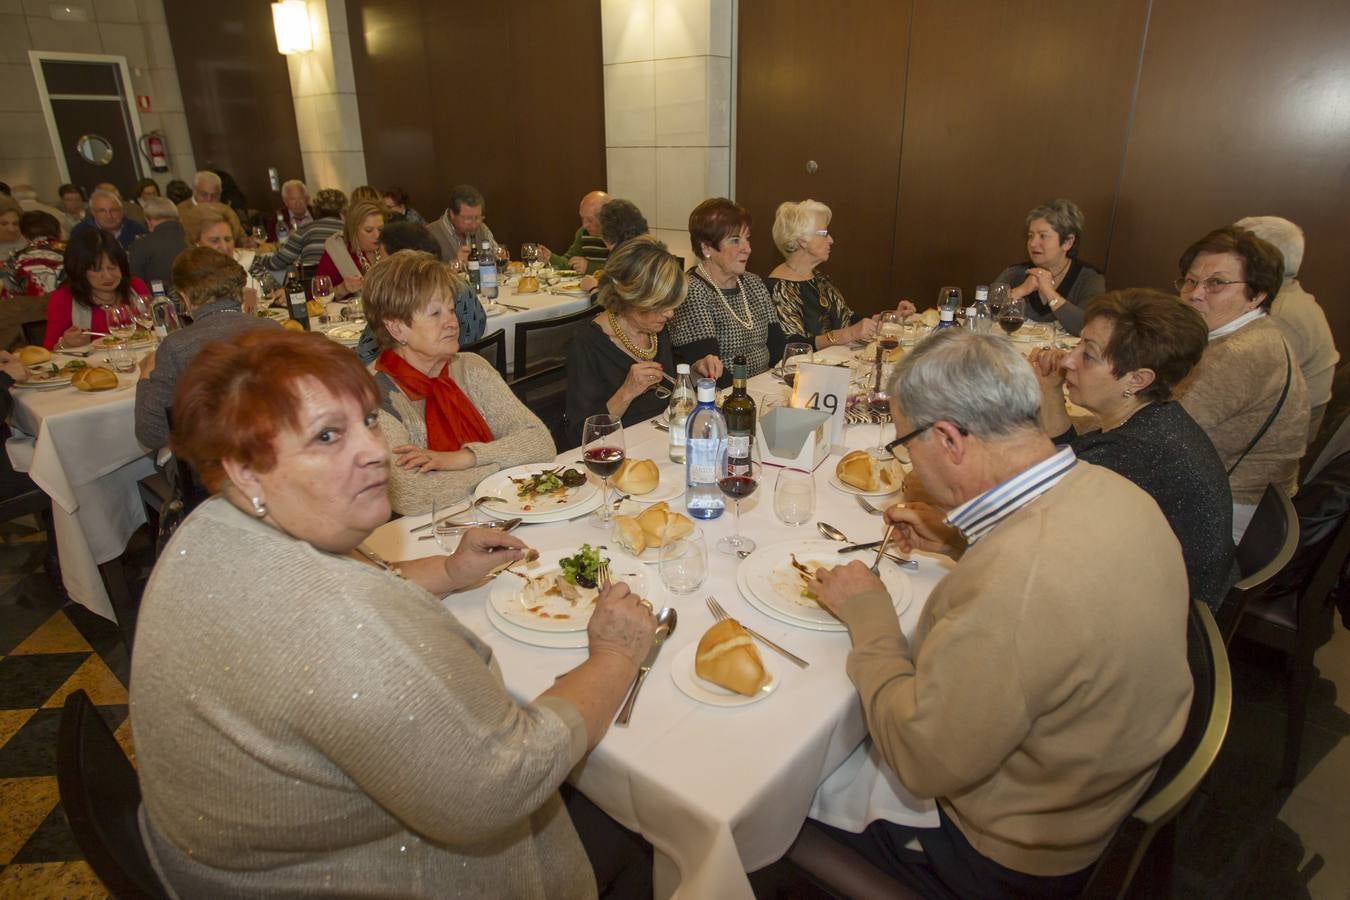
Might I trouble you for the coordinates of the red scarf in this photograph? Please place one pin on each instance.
(452, 419)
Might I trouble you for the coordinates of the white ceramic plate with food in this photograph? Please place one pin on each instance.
(552, 640)
(776, 576)
(140, 339)
(682, 673)
(668, 488)
(540, 596)
(507, 484)
(40, 382)
(838, 485)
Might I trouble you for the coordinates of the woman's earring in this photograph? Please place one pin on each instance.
(1127, 394)
(259, 508)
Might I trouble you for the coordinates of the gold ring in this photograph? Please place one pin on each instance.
(647, 603)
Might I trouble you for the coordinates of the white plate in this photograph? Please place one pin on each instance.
(134, 345)
(564, 515)
(553, 640)
(668, 488)
(850, 489)
(346, 333)
(1034, 333)
(536, 613)
(499, 484)
(765, 577)
(682, 673)
(493, 309)
(58, 382)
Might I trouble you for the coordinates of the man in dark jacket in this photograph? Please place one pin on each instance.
(152, 254)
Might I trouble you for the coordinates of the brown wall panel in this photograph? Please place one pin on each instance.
(1240, 112)
(1009, 105)
(825, 83)
(236, 92)
(508, 97)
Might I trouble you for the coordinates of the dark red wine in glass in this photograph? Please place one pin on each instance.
(791, 379)
(738, 487)
(879, 404)
(1010, 323)
(888, 343)
(603, 461)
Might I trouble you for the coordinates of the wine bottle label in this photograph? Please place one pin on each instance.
(738, 446)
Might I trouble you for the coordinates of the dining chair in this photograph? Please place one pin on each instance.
(1266, 547)
(491, 347)
(543, 344)
(544, 393)
(1138, 861)
(100, 797)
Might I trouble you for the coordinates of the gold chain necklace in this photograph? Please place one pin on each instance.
(630, 346)
(367, 261)
(748, 323)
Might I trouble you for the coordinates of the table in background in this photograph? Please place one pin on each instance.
(85, 456)
(538, 305)
(718, 792)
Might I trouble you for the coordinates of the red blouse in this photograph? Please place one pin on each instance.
(59, 313)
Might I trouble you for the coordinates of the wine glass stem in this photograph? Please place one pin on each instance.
(604, 504)
(737, 538)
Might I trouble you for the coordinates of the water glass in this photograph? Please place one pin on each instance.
(122, 359)
(447, 536)
(684, 562)
(794, 496)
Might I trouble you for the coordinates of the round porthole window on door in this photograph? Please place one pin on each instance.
(94, 149)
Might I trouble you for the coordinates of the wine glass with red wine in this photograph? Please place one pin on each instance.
(738, 479)
(1012, 315)
(603, 450)
(879, 403)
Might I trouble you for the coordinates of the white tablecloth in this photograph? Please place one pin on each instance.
(718, 792)
(83, 452)
(538, 305)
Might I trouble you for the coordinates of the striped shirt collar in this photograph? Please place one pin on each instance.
(977, 517)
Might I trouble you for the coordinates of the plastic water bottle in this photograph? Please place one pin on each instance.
(705, 454)
(162, 311)
(282, 230)
(487, 271)
(682, 401)
(979, 316)
(946, 319)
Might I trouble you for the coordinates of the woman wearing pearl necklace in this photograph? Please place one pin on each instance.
(729, 311)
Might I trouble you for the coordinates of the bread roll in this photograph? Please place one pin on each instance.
(865, 472)
(33, 356)
(629, 535)
(293, 325)
(515, 267)
(528, 284)
(930, 317)
(662, 526)
(637, 476)
(728, 657)
(96, 378)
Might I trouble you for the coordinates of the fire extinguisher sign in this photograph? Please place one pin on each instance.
(143, 102)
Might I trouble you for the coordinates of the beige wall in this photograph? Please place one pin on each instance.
(324, 89)
(134, 29)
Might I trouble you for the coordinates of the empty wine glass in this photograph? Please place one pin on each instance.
(321, 289)
(794, 496)
(529, 254)
(121, 322)
(503, 257)
(603, 450)
(998, 298)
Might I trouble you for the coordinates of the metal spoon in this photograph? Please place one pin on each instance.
(832, 533)
(666, 621)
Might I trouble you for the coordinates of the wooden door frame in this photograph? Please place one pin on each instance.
(37, 57)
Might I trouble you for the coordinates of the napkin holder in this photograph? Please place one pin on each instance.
(794, 438)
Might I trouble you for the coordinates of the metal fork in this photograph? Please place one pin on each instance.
(871, 507)
(721, 614)
(602, 575)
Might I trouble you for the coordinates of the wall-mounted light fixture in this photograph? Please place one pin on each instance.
(290, 20)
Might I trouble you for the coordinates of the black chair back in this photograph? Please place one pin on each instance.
(543, 344)
(545, 394)
(1266, 547)
(100, 796)
(491, 347)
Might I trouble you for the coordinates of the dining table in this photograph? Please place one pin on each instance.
(513, 308)
(719, 792)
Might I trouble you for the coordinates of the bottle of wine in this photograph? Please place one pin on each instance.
(296, 301)
(487, 271)
(163, 313)
(739, 411)
(682, 400)
(705, 453)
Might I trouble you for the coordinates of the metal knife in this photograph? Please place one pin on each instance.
(852, 548)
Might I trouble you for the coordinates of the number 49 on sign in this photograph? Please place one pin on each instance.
(823, 388)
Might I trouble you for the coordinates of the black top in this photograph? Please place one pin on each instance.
(595, 369)
(151, 255)
(1162, 449)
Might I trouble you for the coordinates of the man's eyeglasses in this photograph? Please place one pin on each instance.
(821, 232)
(1211, 285)
(904, 440)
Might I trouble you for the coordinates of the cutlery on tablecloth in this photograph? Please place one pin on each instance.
(719, 614)
(666, 620)
(881, 551)
(474, 505)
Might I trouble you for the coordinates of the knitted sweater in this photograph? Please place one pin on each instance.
(518, 437)
(306, 725)
(1230, 394)
(1047, 676)
(586, 245)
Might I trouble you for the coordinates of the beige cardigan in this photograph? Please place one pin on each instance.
(1230, 394)
(1047, 676)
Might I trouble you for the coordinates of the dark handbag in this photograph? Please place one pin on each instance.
(1279, 404)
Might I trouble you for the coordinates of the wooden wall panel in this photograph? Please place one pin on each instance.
(1009, 105)
(508, 97)
(824, 82)
(237, 94)
(1243, 111)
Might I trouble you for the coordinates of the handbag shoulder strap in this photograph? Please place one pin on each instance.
(1279, 404)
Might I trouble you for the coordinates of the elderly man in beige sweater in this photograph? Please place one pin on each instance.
(1047, 675)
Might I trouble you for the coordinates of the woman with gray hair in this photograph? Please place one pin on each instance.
(1055, 284)
(809, 306)
(1298, 315)
(617, 360)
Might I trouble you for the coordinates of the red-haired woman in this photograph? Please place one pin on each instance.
(307, 714)
(729, 311)
(97, 276)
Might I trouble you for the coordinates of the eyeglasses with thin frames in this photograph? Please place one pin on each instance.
(1212, 285)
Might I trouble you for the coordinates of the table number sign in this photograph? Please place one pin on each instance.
(823, 388)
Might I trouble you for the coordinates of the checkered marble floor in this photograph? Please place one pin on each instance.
(48, 648)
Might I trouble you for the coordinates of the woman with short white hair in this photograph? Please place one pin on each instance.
(809, 306)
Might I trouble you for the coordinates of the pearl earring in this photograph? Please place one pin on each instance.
(259, 508)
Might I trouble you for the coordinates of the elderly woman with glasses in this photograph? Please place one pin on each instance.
(1247, 393)
(809, 307)
(1137, 346)
(1055, 284)
(309, 718)
(448, 416)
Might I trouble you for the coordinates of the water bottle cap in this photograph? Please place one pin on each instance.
(982, 292)
(682, 369)
(707, 390)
